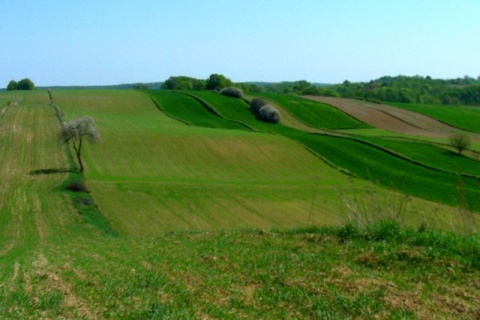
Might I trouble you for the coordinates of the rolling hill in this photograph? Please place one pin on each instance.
(209, 205)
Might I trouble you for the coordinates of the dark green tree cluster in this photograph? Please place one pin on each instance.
(301, 87)
(214, 82)
(217, 82)
(417, 89)
(24, 84)
(184, 83)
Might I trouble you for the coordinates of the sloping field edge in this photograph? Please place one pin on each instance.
(434, 118)
(402, 157)
(214, 111)
(327, 104)
(155, 102)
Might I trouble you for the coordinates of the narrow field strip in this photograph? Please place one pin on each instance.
(314, 113)
(461, 117)
(390, 118)
(32, 209)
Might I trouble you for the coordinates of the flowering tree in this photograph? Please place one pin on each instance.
(76, 131)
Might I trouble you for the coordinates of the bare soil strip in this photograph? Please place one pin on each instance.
(389, 118)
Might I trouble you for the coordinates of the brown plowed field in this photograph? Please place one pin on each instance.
(389, 118)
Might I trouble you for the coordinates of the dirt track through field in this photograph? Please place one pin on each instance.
(389, 118)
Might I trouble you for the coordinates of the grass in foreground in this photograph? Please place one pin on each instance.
(382, 271)
(54, 265)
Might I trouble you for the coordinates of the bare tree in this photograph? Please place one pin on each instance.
(76, 131)
(460, 141)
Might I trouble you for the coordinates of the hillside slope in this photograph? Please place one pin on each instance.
(172, 176)
(389, 118)
(54, 265)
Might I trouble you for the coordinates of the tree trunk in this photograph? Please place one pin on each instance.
(78, 152)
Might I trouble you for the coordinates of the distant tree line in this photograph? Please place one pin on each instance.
(24, 84)
(214, 82)
(416, 89)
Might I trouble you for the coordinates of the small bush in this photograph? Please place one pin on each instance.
(76, 186)
(232, 92)
(269, 113)
(256, 104)
(349, 230)
(384, 230)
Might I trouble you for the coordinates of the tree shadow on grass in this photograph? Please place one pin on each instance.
(50, 171)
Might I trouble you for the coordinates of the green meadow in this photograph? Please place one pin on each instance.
(313, 113)
(463, 117)
(200, 210)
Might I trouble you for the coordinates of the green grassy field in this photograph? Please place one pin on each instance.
(194, 207)
(33, 210)
(188, 109)
(181, 177)
(313, 113)
(463, 117)
(443, 158)
(364, 161)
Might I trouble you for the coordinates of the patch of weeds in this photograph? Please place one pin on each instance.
(81, 201)
(383, 230)
(49, 300)
(348, 230)
(75, 183)
(78, 191)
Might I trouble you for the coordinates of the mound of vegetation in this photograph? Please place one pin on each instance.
(269, 113)
(232, 92)
(264, 111)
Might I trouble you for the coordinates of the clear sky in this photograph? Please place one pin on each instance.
(92, 42)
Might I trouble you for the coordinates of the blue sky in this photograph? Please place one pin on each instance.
(110, 42)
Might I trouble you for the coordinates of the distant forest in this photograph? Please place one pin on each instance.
(414, 89)
(417, 89)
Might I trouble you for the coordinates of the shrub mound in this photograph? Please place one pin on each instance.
(256, 104)
(269, 113)
(265, 111)
(76, 186)
(232, 92)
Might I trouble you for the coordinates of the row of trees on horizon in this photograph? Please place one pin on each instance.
(415, 89)
(407, 89)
